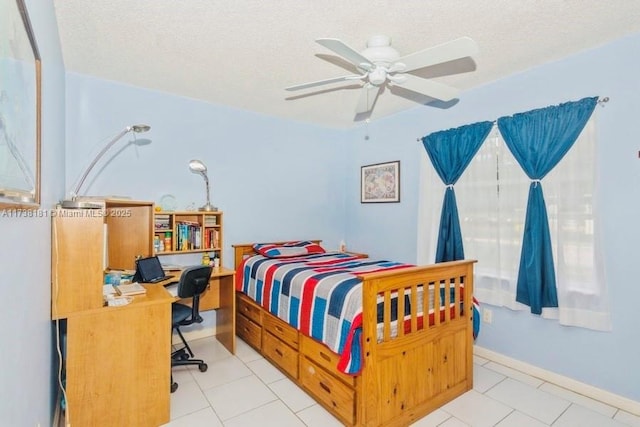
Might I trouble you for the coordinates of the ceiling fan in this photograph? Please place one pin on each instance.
(381, 65)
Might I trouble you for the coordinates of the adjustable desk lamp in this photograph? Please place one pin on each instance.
(75, 202)
(196, 166)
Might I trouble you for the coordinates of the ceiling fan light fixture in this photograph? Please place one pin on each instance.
(377, 76)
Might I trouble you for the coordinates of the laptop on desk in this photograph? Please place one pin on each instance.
(149, 270)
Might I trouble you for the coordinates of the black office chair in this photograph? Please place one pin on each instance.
(193, 282)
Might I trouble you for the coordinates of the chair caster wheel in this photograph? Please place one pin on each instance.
(203, 367)
(174, 387)
(177, 356)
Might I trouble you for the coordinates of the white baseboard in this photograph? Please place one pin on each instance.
(604, 396)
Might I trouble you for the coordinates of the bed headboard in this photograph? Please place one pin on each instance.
(245, 250)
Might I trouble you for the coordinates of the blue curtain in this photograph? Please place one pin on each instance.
(450, 152)
(539, 139)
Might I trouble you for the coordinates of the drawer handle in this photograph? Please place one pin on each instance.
(278, 328)
(325, 357)
(324, 387)
(279, 353)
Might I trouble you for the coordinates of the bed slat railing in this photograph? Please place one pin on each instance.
(444, 300)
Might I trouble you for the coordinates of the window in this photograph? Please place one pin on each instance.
(492, 200)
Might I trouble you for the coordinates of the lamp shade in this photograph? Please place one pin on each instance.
(197, 166)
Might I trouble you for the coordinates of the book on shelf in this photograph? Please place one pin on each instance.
(134, 288)
(210, 221)
(212, 238)
(188, 235)
(162, 222)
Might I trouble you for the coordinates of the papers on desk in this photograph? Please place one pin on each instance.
(172, 289)
(134, 288)
(172, 267)
(108, 290)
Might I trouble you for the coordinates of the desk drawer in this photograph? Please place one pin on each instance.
(281, 354)
(322, 356)
(249, 331)
(280, 329)
(248, 308)
(328, 390)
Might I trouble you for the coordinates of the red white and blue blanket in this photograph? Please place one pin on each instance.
(318, 294)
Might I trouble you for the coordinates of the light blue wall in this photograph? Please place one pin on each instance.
(312, 191)
(273, 179)
(605, 360)
(27, 358)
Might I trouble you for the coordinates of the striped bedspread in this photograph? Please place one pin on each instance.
(318, 294)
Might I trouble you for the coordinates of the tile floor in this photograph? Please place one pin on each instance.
(245, 390)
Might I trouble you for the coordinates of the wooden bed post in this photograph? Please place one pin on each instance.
(368, 384)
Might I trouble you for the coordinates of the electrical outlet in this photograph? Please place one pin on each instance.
(487, 315)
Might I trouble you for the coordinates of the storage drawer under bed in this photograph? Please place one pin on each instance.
(248, 308)
(280, 353)
(249, 331)
(322, 356)
(280, 329)
(339, 397)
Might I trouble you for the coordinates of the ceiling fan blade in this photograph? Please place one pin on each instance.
(326, 81)
(346, 52)
(429, 88)
(454, 49)
(368, 96)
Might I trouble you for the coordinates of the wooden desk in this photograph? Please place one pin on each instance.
(224, 280)
(219, 296)
(117, 363)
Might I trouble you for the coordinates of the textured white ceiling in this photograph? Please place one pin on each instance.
(243, 53)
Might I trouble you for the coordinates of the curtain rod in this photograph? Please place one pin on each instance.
(600, 101)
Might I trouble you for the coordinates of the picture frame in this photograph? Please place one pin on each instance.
(20, 110)
(380, 183)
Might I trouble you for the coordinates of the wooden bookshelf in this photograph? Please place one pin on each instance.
(188, 232)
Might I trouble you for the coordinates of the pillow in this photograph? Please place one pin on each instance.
(289, 249)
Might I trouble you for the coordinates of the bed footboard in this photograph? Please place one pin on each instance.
(417, 362)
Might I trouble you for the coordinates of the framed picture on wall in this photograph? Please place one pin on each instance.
(380, 183)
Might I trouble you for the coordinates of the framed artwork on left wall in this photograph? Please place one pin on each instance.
(380, 183)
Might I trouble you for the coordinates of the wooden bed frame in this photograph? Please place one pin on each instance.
(403, 377)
